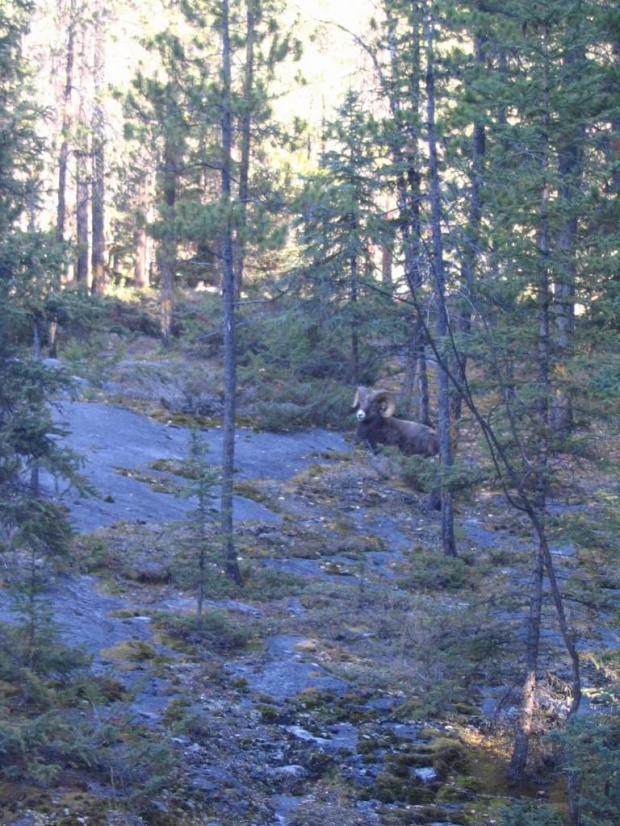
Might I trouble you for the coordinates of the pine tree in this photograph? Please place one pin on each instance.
(341, 222)
(69, 18)
(523, 324)
(401, 87)
(439, 280)
(228, 300)
(160, 114)
(32, 528)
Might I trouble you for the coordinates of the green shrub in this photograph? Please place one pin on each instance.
(216, 628)
(300, 404)
(31, 655)
(418, 473)
(430, 570)
(306, 352)
(529, 814)
(591, 744)
(36, 749)
(138, 760)
(198, 323)
(268, 584)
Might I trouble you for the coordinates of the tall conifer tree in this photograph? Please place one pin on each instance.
(340, 221)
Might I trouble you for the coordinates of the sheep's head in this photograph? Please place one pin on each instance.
(372, 403)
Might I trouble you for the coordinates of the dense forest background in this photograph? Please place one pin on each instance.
(420, 195)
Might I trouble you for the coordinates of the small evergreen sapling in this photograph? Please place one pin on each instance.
(202, 481)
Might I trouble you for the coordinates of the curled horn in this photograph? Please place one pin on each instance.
(387, 403)
(361, 394)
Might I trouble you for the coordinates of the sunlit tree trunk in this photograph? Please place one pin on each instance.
(405, 155)
(141, 240)
(228, 301)
(441, 324)
(528, 691)
(246, 142)
(355, 344)
(570, 167)
(471, 242)
(167, 254)
(82, 190)
(82, 175)
(98, 158)
(63, 161)
(528, 699)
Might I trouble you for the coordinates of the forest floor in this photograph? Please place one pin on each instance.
(359, 678)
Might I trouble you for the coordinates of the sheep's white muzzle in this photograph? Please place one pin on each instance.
(360, 415)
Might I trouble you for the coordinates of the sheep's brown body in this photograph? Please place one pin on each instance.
(376, 425)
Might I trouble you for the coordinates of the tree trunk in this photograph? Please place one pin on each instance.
(82, 190)
(405, 155)
(528, 694)
(471, 241)
(355, 346)
(528, 700)
(246, 143)
(98, 149)
(564, 295)
(570, 167)
(63, 161)
(141, 247)
(424, 398)
(82, 177)
(560, 413)
(168, 245)
(228, 302)
(441, 324)
(387, 262)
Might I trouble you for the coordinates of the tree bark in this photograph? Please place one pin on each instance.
(355, 345)
(141, 241)
(387, 262)
(63, 161)
(98, 158)
(570, 167)
(405, 155)
(82, 190)
(168, 244)
(528, 698)
(528, 693)
(472, 239)
(246, 143)
(82, 177)
(228, 306)
(441, 324)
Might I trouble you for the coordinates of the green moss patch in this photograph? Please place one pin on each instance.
(130, 650)
(157, 483)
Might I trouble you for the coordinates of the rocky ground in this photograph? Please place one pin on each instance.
(359, 678)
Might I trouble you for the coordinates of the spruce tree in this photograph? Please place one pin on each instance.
(33, 529)
(340, 224)
(159, 119)
(398, 61)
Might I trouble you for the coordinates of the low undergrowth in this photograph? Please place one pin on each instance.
(429, 647)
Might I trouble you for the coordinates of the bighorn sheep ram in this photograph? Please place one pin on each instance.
(376, 425)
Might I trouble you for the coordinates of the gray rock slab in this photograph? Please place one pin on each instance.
(285, 673)
(109, 437)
